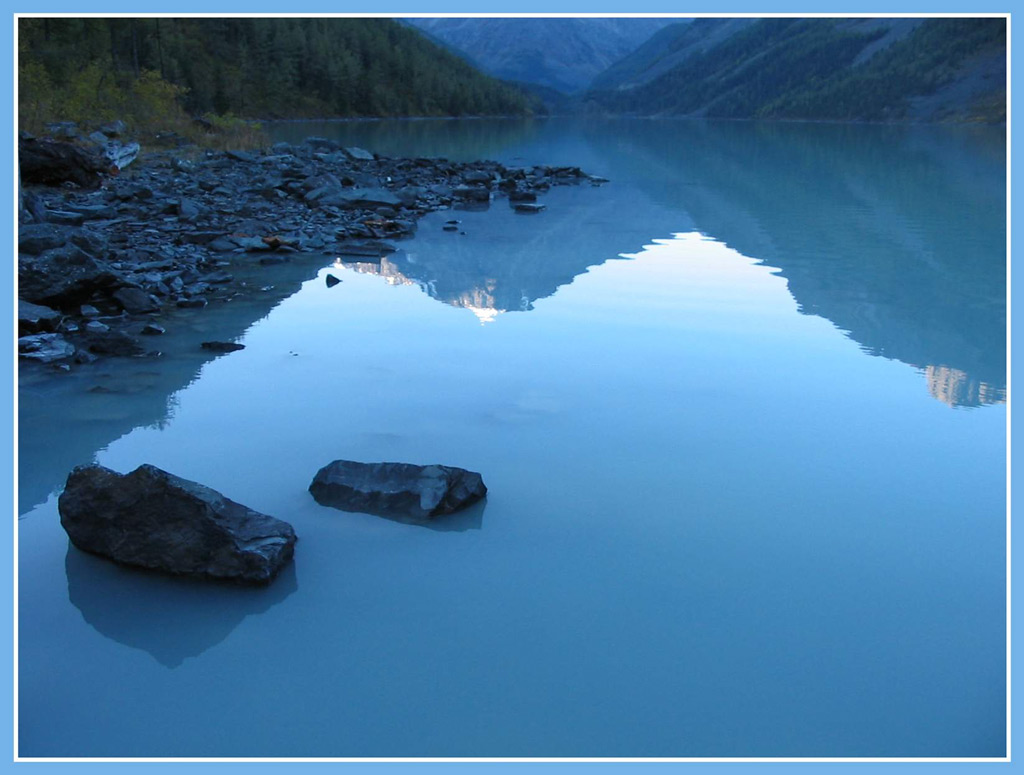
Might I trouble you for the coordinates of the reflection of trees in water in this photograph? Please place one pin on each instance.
(896, 234)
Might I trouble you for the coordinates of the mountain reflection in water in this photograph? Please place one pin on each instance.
(715, 526)
(894, 234)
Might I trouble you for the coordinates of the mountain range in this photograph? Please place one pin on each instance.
(886, 69)
(840, 69)
(563, 54)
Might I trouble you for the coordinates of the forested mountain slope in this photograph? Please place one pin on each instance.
(267, 68)
(835, 69)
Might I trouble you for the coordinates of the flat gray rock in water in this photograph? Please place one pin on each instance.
(45, 348)
(153, 519)
(528, 207)
(399, 491)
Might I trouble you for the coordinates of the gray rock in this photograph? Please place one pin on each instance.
(152, 329)
(33, 208)
(186, 209)
(325, 180)
(34, 238)
(116, 343)
(240, 156)
(223, 245)
(135, 300)
(90, 212)
(200, 237)
(222, 347)
(120, 155)
(358, 154)
(399, 491)
(96, 327)
(89, 240)
(45, 348)
(349, 199)
(252, 244)
(409, 195)
(152, 519)
(472, 193)
(64, 218)
(64, 277)
(528, 207)
(318, 193)
(477, 176)
(88, 311)
(34, 318)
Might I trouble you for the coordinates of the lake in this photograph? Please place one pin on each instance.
(741, 413)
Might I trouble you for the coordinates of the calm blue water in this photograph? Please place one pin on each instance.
(741, 413)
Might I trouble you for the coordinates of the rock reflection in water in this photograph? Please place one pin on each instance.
(169, 617)
(471, 518)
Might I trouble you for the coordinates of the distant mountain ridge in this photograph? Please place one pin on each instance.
(919, 69)
(563, 54)
(666, 49)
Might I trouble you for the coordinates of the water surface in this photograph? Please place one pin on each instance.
(741, 414)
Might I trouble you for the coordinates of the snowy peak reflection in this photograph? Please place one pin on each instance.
(956, 388)
(482, 302)
(501, 261)
(896, 234)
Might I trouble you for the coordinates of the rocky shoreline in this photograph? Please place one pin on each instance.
(104, 254)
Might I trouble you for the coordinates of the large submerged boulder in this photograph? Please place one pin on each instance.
(153, 519)
(399, 491)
